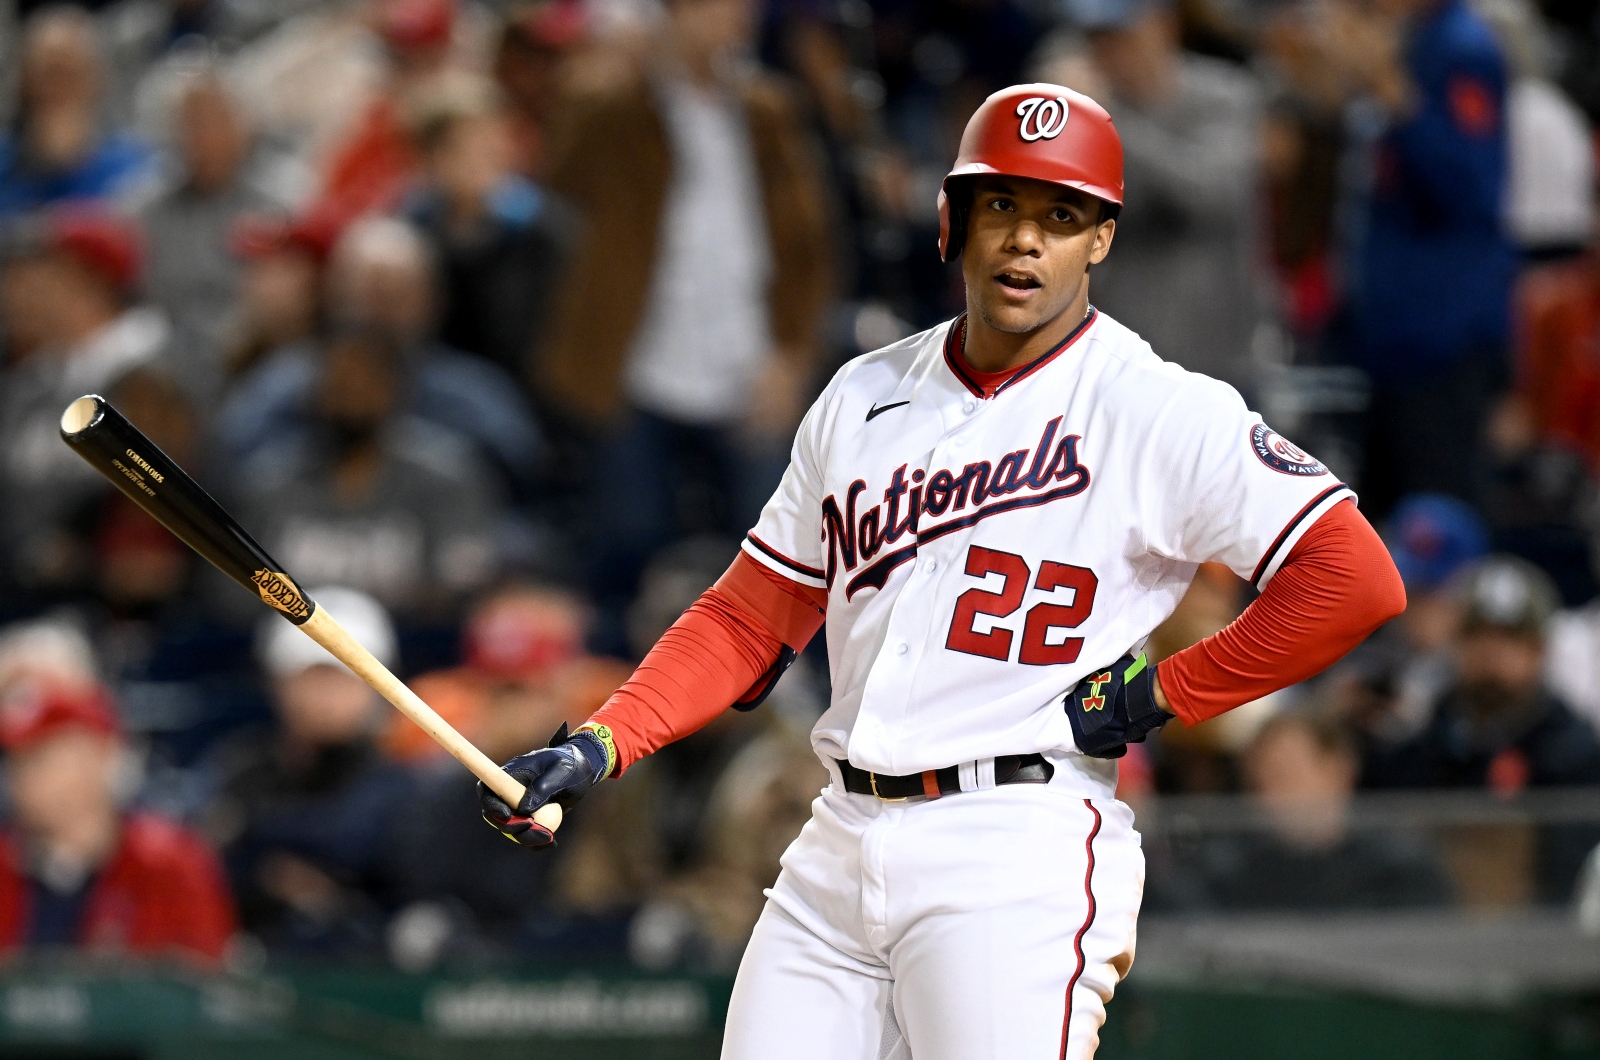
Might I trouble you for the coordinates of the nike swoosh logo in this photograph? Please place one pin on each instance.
(879, 410)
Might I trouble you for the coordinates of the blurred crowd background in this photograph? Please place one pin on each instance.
(493, 320)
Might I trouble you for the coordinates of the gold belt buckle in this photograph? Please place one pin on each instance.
(872, 780)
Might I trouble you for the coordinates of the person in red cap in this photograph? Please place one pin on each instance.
(990, 517)
(524, 674)
(280, 284)
(75, 869)
(529, 64)
(73, 324)
(368, 170)
(524, 658)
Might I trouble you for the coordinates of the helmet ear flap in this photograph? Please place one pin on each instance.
(955, 206)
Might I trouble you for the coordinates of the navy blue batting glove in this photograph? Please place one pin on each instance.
(1114, 707)
(561, 773)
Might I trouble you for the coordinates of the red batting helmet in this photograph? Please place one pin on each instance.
(1047, 132)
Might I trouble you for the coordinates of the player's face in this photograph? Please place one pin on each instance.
(1029, 247)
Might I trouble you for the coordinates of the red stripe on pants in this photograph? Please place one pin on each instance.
(1088, 922)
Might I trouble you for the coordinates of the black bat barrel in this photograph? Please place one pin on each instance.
(154, 481)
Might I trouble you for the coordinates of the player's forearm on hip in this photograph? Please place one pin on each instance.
(1336, 587)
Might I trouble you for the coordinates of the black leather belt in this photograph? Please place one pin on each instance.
(932, 783)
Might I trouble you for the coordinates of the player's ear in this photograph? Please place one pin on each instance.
(1105, 231)
(1103, 234)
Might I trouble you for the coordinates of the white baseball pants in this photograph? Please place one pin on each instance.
(985, 925)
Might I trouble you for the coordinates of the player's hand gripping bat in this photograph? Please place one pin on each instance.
(153, 481)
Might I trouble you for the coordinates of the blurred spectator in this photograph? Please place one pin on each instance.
(1199, 759)
(1434, 537)
(333, 83)
(45, 652)
(382, 279)
(308, 80)
(75, 869)
(1186, 274)
(498, 238)
(58, 147)
(189, 226)
(523, 649)
(1537, 500)
(684, 773)
(1301, 770)
(524, 677)
(279, 300)
(1498, 726)
(1549, 207)
(652, 824)
(936, 61)
(369, 496)
(761, 801)
(1572, 664)
(369, 169)
(1385, 689)
(1429, 276)
(688, 328)
(72, 327)
(1558, 353)
(888, 231)
(302, 813)
(1545, 434)
(1303, 142)
(149, 43)
(487, 894)
(528, 65)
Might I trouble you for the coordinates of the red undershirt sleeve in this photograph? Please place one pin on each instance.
(1336, 587)
(710, 658)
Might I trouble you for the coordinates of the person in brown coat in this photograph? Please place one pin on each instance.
(687, 333)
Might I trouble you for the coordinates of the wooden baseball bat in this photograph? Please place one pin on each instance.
(154, 481)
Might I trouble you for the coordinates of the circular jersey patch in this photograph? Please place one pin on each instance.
(1282, 455)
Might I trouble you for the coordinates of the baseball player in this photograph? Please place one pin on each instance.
(990, 518)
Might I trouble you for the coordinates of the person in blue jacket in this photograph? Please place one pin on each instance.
(58, 148)
(1429, 270)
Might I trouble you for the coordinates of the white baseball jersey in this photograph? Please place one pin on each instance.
(982, 555)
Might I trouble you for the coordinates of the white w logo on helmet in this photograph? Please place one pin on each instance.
(1042, 119)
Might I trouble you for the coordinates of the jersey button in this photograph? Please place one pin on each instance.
(901, 648)
(968, 407)
(932, 566)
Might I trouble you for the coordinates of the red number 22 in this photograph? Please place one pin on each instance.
(1041, 618)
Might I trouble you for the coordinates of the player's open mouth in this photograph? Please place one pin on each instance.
(1017, 281)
